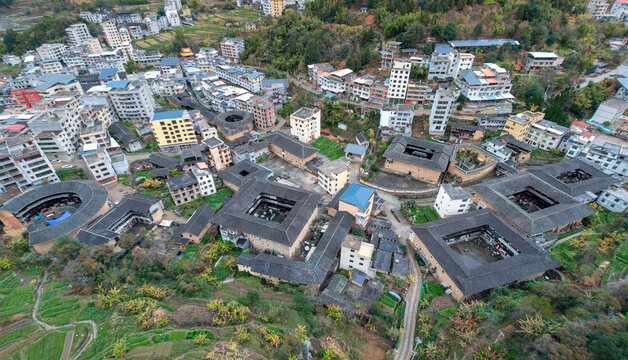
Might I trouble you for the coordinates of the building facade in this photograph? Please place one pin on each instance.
(444, 100)
(305, 124)
(173, 130)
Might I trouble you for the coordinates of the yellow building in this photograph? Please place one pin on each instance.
(173, 130)
(276, 7)
(518, 125)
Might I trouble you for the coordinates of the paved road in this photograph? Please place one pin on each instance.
(92, 334)
(620, 71)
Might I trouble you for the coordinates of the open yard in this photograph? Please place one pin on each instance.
(419, 214)
(329, 148)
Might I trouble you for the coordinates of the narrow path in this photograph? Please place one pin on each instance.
(92, 334)
(67, 346)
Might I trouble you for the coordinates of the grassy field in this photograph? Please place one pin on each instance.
(329, 148)
(216, 200)
(420, 214)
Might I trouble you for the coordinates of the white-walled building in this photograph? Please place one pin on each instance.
(132, 100)
(614, 199)
(173, 4)
(545, 134)
(111, 33)
(231, 49)
(446, 62)
(51, 51)
(337, 82)
(399, 78)
(444, 100)
(452, 201)
(78, 34)
(205, 181)
(612, 157)
(573, 144)
(99, 164)
(305, 124)
(333, 176)
(356, 254)
(23, 164)
(397, 117)
(173, 17)
(489, 83)
(597, 8)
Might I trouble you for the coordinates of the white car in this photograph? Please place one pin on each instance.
(56, 161)
(67, 166)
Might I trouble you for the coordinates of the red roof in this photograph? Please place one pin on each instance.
(586, 135)
(581, 124)
(15, 127)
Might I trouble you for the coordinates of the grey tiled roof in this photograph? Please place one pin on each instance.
(567, 210)
(180, 181)
(472, 280)
(467, 127)
(390, 246)
(511, 142)
(315, 270)
(456, 193)
(383, 260)
(122, 134)
(440, 153)
(228, 127)
(103, 229)
(93, 198)
(598, 182)
(195, 225)
(161, 172)
(234, 215)
(400, 265)
(243, 171)
(161, 160)
(291, 145)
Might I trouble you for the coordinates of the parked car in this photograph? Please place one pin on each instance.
(67, 166)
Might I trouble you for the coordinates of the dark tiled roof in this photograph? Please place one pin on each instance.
(180, 181)
(243, 171)
(400, 265)
(598, 182)
(567, 210)
(311, 272)
(383, 260)
(105, 227)
(512, 142)
(390, 246)
(191, 154)
(161, 160)
(233, 127)
(440, 153)
(532, 260)
(122, 134)
(161, 172)
(93, 198)
(195, 225)
(466, 127)
(291, 145)
(234, 215)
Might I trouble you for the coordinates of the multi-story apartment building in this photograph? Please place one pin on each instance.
(446, 62)
(597, 8)
(305, 124)
(396, 117)
(132, 100)
(518, 125)
(537, 60)
(78, 34)
(205, 130)
(99, 164)
(337, 82)
(614, 199)
(93, 46)
(609, 156)
(358, 200)
(263, 112)
(111, 33)
(23, 164)
(51, 66)
(333, 176)
(241, 76)
(173, 4)
(356, 255)
(490, 83)
(273, 8)
(398, 86)
(545, 134)
(573, 144)
(417, 91)
(25, 97)
(361, 88)
(452, 200)
(444, 100)
(183, 188)
(379, 91)
(231, 49)
(219, 154)
(96, 18)
(388, 54)
(173, 130)
(619, 10)
(205, 181)
(51, 51)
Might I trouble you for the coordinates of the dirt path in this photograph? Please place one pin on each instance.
(67, 346)
(92, 334)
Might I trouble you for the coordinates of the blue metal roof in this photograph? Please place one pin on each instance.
(169, 61)
(482, 42)
(355, 149)
(107, 73)
(470, 77)
(173, 114)
(442, 49)
(50, 80)
(357, 195)
(118, 84)
(270, 82)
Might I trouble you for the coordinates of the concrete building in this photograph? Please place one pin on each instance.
(173, 4)
(51, 66)
(619, 10)
(205, 181)
(78, 34)
(573, 144)
(446, 63)
(357, 200)
(290, 149)
(333, 176)
(398, 86)
(173, 130)
(268, 217)
(545, 134)
(23, 164)
(417, 92)
(132, 100)
(452, 200)
(597, 8)
(518, 125)
(441, 109)
(219, 154)
(51, 51)
(337, 82)
(356, 255)
(231, 49)
(111, 33)
(615, 200)
(489, 83)
(396, 118)
(99, 164)
(183, 188)
(93, 46)
(422, 160)
(305, 124)
(388, 54)
(609, 156)
(263, 112)
(452, 249)
(538, 60)
(273, 8)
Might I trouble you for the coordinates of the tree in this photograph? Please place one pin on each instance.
(418, 72)
(335, 313)
(478, 29)
(152, 184)
(120, 348)
(201, 339)
(131, 67)
(451, 31)
(66, 248)
(127, 241)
